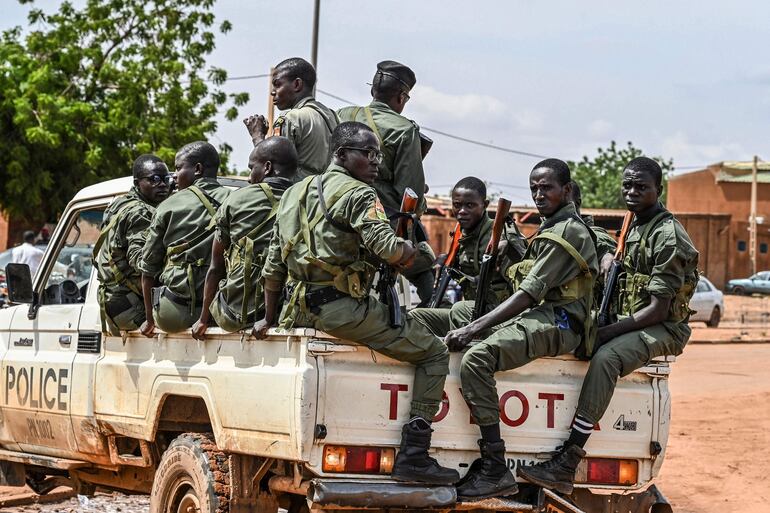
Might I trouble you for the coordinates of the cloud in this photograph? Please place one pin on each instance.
(687, 153)
(599, 128)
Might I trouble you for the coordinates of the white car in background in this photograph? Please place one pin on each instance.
(708, 303)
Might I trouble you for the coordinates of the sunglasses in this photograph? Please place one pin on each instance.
(372, 154)
(157, 179)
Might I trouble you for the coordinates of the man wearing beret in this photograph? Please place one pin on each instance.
(401, 165)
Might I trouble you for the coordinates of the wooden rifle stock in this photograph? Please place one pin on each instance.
(489, 260)
(611, 284)
(443, 277)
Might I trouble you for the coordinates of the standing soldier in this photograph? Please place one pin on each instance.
(119, 247)
(307, 123)
(660, 265)
(401, 165)
(327, 229)
(549, 314)
(178, 246)
(232, 294)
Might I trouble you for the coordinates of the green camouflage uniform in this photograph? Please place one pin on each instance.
(558, 272)
(335, 260)
(244, 226)
(117, 254)
(468, 261)
(605, 244)
(309, 125)
(178, 249)
(660, 260)
(401, 167)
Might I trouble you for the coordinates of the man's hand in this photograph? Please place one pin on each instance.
(457, 340)
(257, 127)
(148, 328)
(199, 330)
(259, 331)
(604, 265)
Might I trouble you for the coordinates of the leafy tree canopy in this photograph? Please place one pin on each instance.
(84, 91)
(599, 177)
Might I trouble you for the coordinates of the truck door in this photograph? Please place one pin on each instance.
(37, 368)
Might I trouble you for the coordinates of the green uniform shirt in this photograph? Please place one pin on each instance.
(244, 210)
(605, 243)
(469, 253)
(554, 267)
(351, 203)
(401, 166)
(182, 218)
(669, 259)
(309, 125)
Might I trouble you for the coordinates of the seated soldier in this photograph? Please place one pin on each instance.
(469, 206)
(605, 243)
(660, 265)
(119, 247)
(547, 315)
(232, 294)
(178, 246)
(327, 230)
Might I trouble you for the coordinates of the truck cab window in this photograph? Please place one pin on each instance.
(68, 279)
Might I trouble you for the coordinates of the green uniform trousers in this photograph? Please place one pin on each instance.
(172, 317)
(225, 318)
(130, 315)
(533, 334)
(366, 322)
(441, 321)
(619, 357)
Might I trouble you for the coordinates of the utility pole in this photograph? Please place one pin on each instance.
(753, 219)
(314, 51)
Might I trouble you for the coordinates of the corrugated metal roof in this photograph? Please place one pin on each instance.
(763, 176)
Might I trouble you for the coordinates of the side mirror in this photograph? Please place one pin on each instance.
(19, 283)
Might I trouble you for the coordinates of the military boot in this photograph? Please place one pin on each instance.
(558, 473)
(488, 476)
(413, 462)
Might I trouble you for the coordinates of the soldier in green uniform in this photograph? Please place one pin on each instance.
(401, 165)
(328, 230)
(119, 247)
(660, 265)
(307, 122)
(178, 246)
(547, 315)
(605, 243)
(469, 206)
(232, 294)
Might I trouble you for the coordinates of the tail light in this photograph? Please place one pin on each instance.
(607, 471)
(358, 460)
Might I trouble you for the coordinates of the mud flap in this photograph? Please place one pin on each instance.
(646, 501)
(550, 502)
(11, 473)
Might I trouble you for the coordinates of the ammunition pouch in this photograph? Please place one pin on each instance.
(635, 296)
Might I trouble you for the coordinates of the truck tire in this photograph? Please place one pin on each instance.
(193, 475)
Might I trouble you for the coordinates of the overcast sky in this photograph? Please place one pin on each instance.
(688, 80)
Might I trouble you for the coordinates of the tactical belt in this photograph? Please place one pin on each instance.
(322, 296)
(174, 298)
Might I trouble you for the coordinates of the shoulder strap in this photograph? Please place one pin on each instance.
(207, 202)
(110, 225)
(372, 124)
(322, 114)
(569, 248)
(322, 204)
(646, 233)
(273, 210)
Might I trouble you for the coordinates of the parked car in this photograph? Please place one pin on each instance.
(708, 303)
(757, 284)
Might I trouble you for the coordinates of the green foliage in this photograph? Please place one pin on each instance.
(599, 178)
(84, 91)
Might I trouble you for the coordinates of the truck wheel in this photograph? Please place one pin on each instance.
(716, 315)
(193, 476)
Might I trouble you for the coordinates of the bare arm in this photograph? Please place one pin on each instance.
(148, 327)
(272, 300)
(654, 313)
(213, 276)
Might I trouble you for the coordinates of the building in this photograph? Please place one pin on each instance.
(725, 188)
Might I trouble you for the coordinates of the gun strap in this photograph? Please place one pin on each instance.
(322, 204)
(646, 233)
(320, 113)
(569, 248)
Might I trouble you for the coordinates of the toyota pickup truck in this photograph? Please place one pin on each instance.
(300, 421)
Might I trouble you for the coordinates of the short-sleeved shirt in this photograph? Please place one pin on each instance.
(27, 254)
(309, 125)
(182, 218)
(401, 166)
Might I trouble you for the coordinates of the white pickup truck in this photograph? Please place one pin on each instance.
(300, 420)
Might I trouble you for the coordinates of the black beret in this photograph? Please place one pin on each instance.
(398, 71)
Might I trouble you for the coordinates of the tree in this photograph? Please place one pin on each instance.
(85, 91)
(599, 178)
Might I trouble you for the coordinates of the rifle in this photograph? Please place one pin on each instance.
(386, 286)
(603, 319)
(444, 274)
(489, 260)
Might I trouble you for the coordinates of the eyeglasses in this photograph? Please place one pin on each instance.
(157, 179)
(372, 154)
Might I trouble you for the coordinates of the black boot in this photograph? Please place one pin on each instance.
(413, 462)
(488, 476)
(558, 473)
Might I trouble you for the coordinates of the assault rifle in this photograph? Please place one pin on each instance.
(489, 260)
(611, 283)
(386, 286)
(444, 273)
